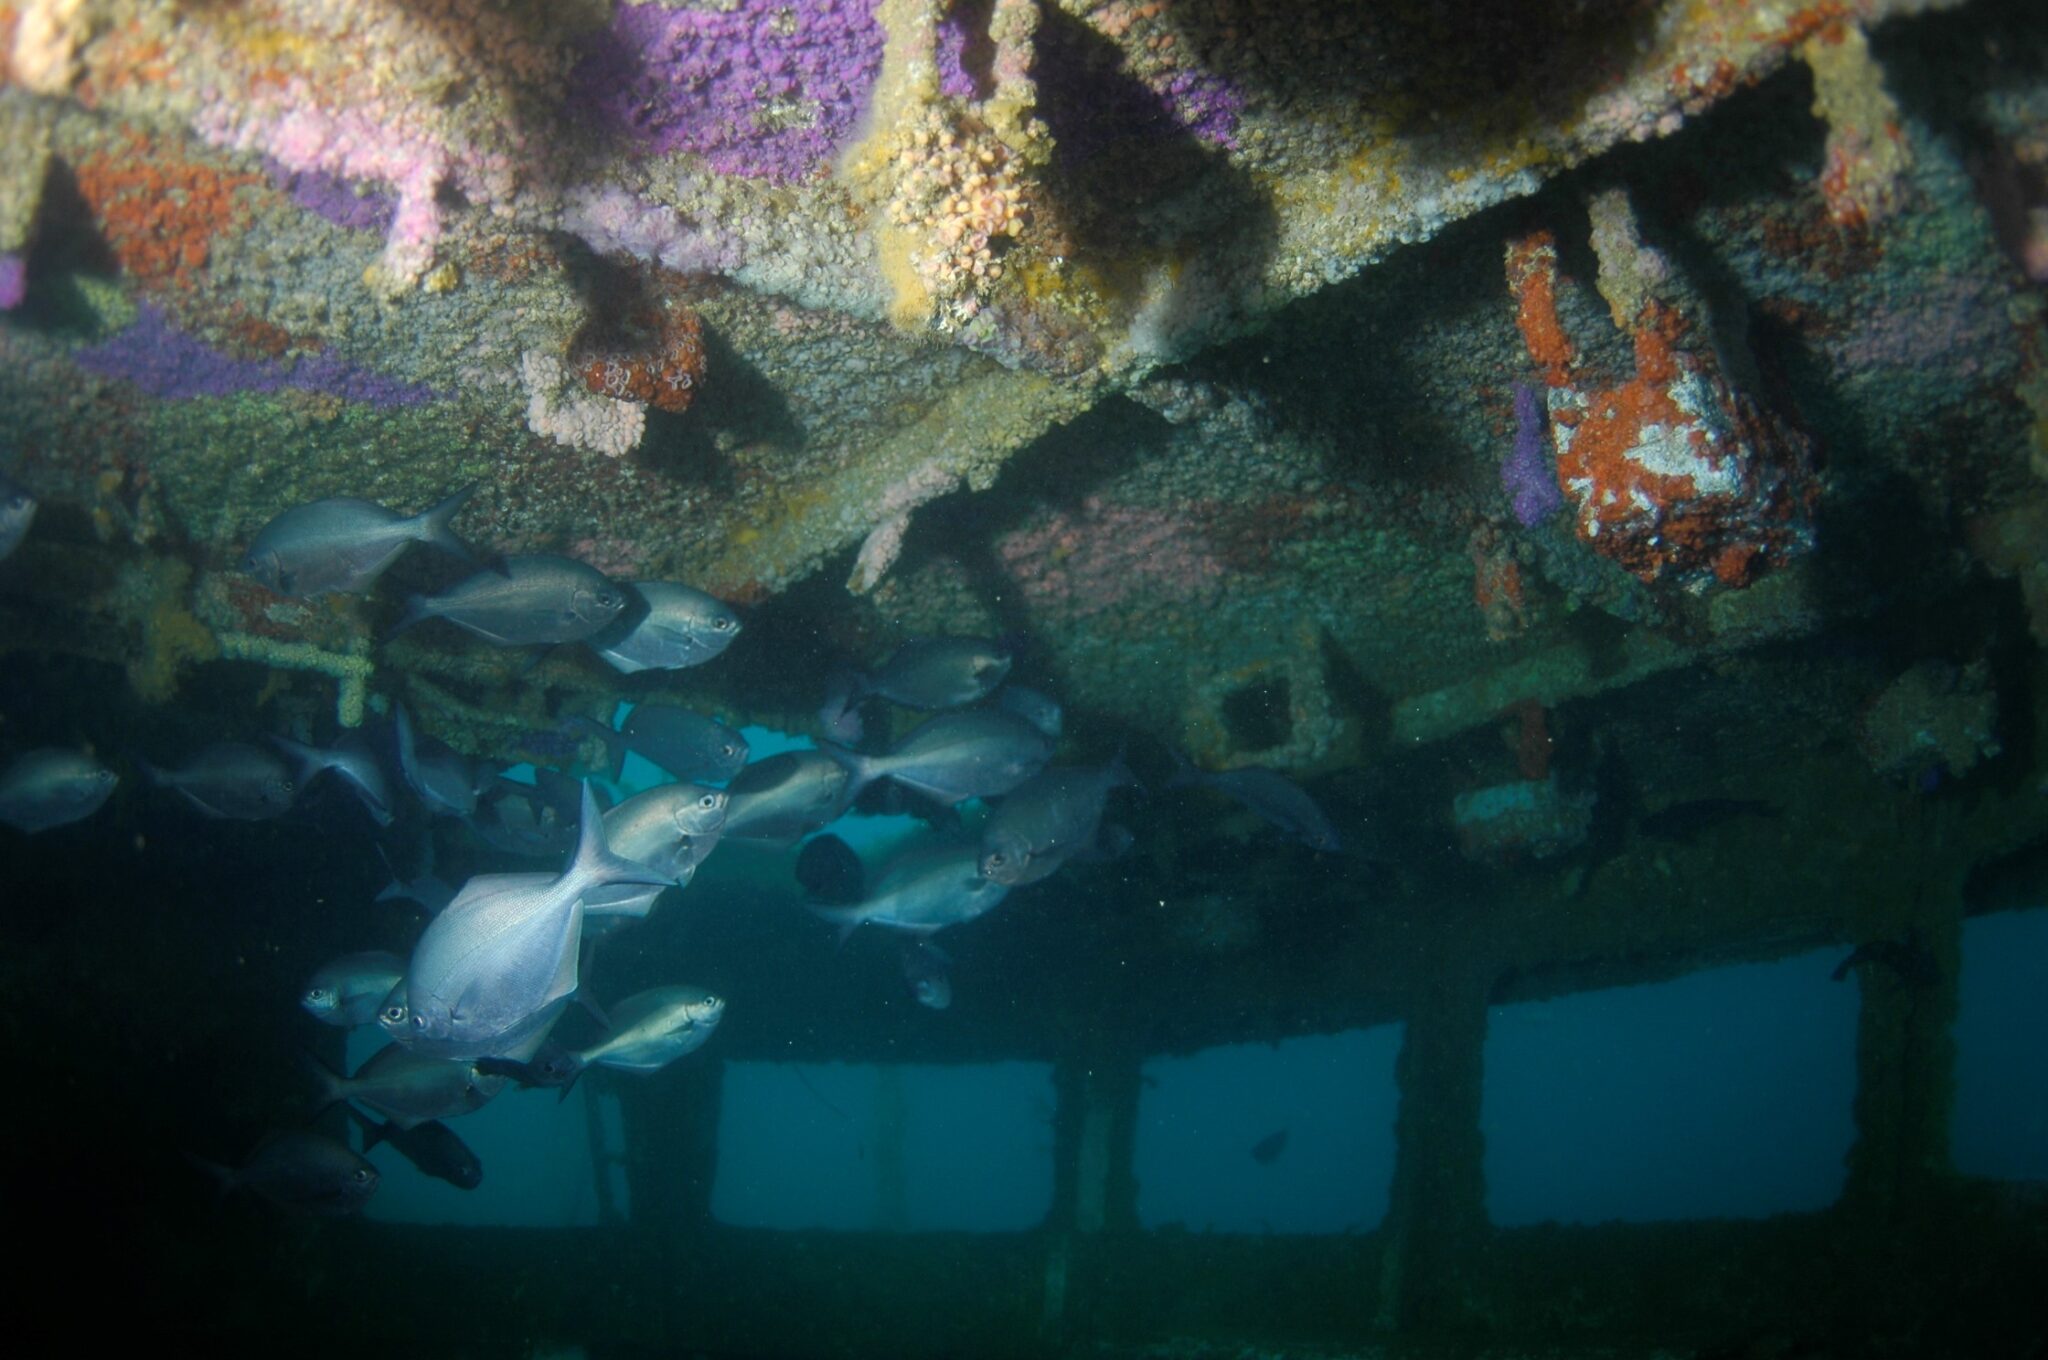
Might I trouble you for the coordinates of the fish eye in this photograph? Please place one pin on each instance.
(721, 624)
(994, 859)
(708, 801)
(285, 784)
(394, 1015)
(419, 1022)
(728, 750)
(360, 1175)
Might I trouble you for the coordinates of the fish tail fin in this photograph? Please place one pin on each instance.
(840, 714)
(329, 1087)
(408, 759)
(373, 1132)
(417, 611)
(393, 888)
(859, 770)
(845, 920)
(585, 999)
(307, 761)
(431, 526)
(595, 865)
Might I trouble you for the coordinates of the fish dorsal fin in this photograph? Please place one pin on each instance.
(566, 973)
(595, 865)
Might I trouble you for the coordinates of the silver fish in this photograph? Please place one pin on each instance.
(300, 1170)
(350, 990)
(651, 1029)
(534, 599)
(1269, 793)
(940, 672)
(50, 787)
(1046, 820)
(17, 512)
(1041, 710)
(780, 800)
(440, 776)
(648, 1031)
(410, 1088)
(666, 626)
(978, 753)
(922, 890)
(495, 968)
(231, 780)
(669, 829)
(646, 826)
(341, 545)
(351, 762)
(928, 971)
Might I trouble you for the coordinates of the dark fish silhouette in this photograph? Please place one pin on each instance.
(928, 971)
(230, 780)
(551, 1065)
(432, 1147)
(1909, 959)
(1267, 792)
(1268, 1149)
(831, 872)
(688, 745)
(300, 1170)
(927, 673)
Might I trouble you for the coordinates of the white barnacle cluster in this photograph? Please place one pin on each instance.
(558, 407)
(958, 192)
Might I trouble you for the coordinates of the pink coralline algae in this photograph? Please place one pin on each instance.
(609, 219)
(1526, 475)
(358, 144)
(956, 78)
(1204, 104)
(358, 208)
(1092, 104)
(767, 89)
(13, 281)
(170, 365)
(1079, 564)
